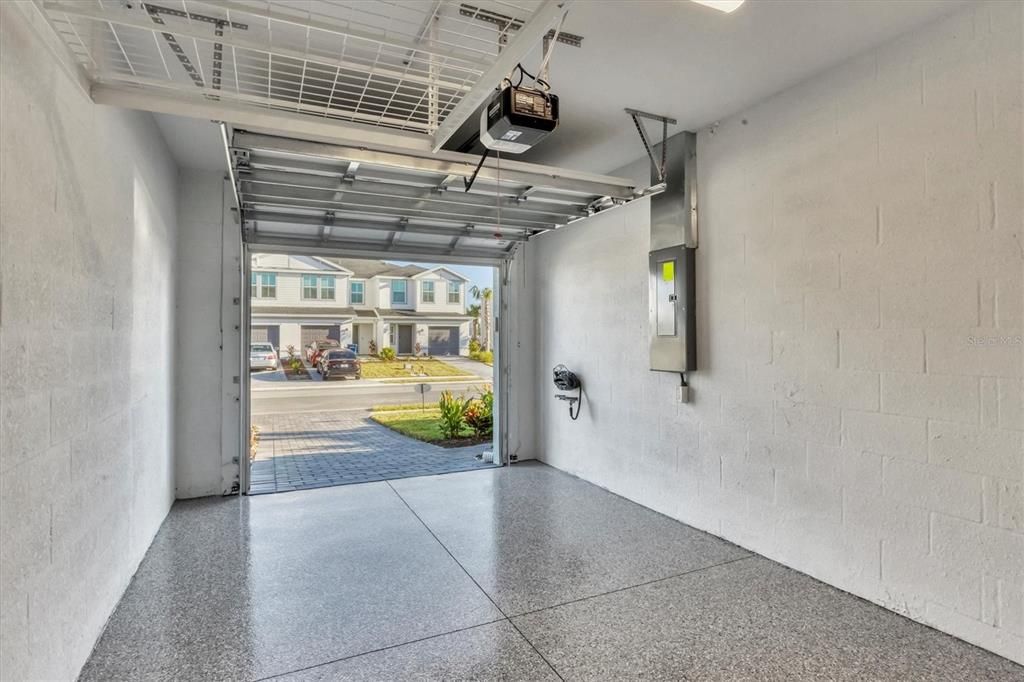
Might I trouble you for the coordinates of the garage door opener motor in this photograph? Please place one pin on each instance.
(567, 381)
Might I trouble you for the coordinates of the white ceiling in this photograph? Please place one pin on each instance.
(671, 57)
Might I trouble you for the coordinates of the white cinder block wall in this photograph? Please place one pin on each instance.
(858, 410)
(87, 244)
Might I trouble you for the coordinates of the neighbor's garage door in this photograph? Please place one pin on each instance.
(443, 340)
(265, 333)
(317, 333)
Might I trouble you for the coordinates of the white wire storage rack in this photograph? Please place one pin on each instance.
(398, 64)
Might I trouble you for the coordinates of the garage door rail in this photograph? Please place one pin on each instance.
(299, 194)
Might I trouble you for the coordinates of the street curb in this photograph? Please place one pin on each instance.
(312, 385)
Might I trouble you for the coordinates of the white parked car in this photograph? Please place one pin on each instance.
(262, 356)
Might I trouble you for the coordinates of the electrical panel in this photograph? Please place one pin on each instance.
(673, 310)
(673, 325)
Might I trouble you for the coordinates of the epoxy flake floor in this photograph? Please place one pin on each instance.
(318, 449)
(521, 573)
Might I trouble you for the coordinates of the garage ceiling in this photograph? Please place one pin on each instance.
(678, 58)
(382, 85)
(697, 65)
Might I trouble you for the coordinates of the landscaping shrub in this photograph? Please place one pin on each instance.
(373, 347)
(474, 346)
(387, 354)
(484, 356)
(453, 414)
(480, 414)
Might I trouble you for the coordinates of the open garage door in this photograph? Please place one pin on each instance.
(298, 195)
(443, 340)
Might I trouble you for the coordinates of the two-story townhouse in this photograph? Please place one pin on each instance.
(298, 299)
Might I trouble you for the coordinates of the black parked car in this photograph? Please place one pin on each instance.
(341, 363)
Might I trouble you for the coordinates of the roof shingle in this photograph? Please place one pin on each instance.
(365, 269)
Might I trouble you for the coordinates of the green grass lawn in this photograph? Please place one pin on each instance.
(432, 405)
(417, 423)
(396, 369)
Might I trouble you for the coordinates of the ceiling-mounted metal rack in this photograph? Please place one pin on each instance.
(410, 66)
(657, 164)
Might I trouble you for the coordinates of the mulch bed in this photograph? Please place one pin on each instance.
(301, 375)
(460, 442)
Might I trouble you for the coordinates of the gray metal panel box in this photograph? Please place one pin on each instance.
(674, 211)
(673, 310)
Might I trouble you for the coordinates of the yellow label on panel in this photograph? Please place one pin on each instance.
(668, 270)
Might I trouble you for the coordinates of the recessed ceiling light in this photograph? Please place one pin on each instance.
(721, 5)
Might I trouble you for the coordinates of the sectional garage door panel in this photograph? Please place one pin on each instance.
(443, 340)
(312, 333)
(298, 195)
(265, 333)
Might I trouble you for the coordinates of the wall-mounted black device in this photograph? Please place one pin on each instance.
(565, 380)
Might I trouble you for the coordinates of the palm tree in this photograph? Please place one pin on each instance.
(484, 296)
(474, 312)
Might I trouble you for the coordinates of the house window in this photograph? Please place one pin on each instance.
(355, 293)
(314, 287)
(327, 288)
(309, 288)
(428, 292)
(264, 285)
(454, 291)
(398, 289)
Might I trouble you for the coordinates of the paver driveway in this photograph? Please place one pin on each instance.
(318, 449)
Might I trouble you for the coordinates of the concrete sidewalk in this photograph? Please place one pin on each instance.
(472, 366)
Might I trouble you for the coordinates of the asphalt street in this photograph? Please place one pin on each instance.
(349, 395)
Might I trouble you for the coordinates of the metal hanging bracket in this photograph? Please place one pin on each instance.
(636, 115)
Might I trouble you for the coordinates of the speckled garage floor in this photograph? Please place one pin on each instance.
(305, 450)
(521, 573)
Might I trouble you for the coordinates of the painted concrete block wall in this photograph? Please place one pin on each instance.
(87, 353)
(857, 414)
(207, 397)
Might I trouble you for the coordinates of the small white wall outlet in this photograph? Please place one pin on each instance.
(683, 394)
